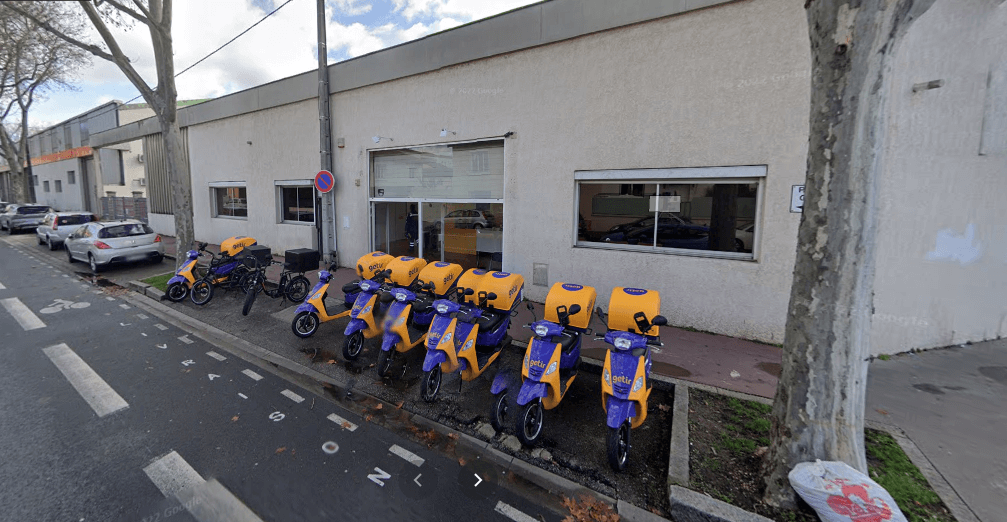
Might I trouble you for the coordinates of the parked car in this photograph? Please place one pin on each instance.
(670, 226)
(469, 218)
(104, 243)
(744, 238)
(56, 226)
(20, 217)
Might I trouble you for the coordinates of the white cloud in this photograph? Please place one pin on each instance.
(467, 10)
(352, 7)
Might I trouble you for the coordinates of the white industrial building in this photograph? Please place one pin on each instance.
(640, 143)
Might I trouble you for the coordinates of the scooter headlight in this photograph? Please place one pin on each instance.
(551, 368)
(607, 376)
(526, 360)
(541, 330)
(400, 297)
(442, 308)
(623, 344)
(638, 384)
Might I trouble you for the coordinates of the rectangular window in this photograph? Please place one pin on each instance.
(230, 202)
(296, 202)
(71, 177)
(34, 180)
(463, 171)
(45, 186)
(59, 185)
(701, 211)
(67, 138)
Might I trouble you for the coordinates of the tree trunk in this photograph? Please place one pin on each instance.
(819, 408)
(181, 187)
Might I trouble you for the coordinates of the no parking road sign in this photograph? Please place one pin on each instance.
(324, 181)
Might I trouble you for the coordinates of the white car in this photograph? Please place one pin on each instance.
(107, 242)
(744, 238)
(56, 226)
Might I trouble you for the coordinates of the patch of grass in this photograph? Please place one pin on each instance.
(893, 470)
(884, 357)
(760, 425)
(737, 444)
(748, 409)
(160, 281)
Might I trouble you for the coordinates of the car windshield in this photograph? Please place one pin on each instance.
(131, 229)
(78, 219)
(32, 210)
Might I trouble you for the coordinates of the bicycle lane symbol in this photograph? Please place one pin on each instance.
(62, 304)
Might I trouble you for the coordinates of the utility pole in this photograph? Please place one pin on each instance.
(326, 222)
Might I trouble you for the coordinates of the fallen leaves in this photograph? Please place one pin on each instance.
(399, 405)
(379, 406)
(883, 412)
(461, 461)
(346, 425)
(663, 407)
(234, 419)
(589, 509)
(281, 450)
(453, 436)
(331, 361)
(368, 418)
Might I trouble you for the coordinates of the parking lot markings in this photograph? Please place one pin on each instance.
(102, 398)
(24, 317)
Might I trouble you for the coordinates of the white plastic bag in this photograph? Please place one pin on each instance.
(840, 493)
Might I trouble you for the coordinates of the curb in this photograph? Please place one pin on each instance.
(690, 506)
(678, 461)
(961, 511)
(529, 473)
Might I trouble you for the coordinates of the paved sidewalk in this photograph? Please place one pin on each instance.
(950, 402)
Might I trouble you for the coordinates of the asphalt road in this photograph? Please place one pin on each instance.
(110, 413)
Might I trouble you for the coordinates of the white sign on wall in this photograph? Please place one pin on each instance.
(797, 199)
(666, 204)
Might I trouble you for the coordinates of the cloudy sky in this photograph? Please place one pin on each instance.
(281, 46)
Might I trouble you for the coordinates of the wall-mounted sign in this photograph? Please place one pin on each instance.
(78, 152)
(324, 181)
(797, 199)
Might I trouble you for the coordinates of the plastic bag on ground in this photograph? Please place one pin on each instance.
(839, 493)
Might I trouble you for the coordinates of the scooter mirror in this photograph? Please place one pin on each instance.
(469, 291)
(601, 315)
(659, 320)
(530, 307)
(491, 296)
(574, 309)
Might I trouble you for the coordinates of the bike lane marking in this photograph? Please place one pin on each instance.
(342, 422)
(409, 456)
(252, 375)
(205, 501)
(513, 513)
(22, 314)
(2, 287)
(98, 394)
(216, 356)
(292, 396)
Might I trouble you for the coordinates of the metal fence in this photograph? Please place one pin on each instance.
(124, 208)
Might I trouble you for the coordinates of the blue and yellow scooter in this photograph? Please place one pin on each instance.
(550, 362)
(185, 276)
(633, 321)
(310, 314)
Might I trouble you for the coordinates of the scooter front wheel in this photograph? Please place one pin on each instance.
(305, 324)
(529, 423)
(501, 412)
(431, 384)
(176, 292)
(384, 362)
(201, 292)
(618, 446)
(353, 345)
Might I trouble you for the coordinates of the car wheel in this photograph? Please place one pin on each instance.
(478, 225)
(69, 256)
(40, 240)
(48, 240)
(158, 258)
(739, 245)
(95, 267)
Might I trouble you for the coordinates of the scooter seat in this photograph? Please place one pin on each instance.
(489, 321)
(422, 305)
(566, 342)
(638, 352)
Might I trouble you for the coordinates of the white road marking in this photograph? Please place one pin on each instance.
(409, 456)
(513, 513)
(110, 299)
(64, 275)
(2, 287)
(216, 356)
(162, 346)
(143, 334)
(292, 396)
(379, 477)
(212, 502)
(185, 339)
(171, 474)
(242, 395)
(102, 398)
(124, 306)
(253, 375)
(21, 313)
(212, 376)
(342, 422)
(141, 316)
(160, 327)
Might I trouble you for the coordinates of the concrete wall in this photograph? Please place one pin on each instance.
(717, 87)
(284, 146)
(942, 259)
(72, 196)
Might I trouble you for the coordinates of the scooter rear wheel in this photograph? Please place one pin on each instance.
(353, 345)
(201, 292)
(529, 423)
(384, 362)
(431, 384)
(500, 415)
(305, 324)
(176, 292)
(618, 446)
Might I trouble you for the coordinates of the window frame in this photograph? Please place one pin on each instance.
(295, 184)
(45, 185)
(742, 174)
(217, 185)
(58, 185)
(71, 177)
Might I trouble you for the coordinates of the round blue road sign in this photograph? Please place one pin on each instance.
(324, 181)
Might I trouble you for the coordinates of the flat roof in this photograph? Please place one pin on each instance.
(531, 26)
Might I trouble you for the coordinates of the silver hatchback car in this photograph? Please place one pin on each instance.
(109, 242)
(56, 226)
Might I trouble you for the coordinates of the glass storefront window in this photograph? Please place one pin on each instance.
(464, 171)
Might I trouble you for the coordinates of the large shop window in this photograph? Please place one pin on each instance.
(710, 211)
(229, 200)
(442, 203)
(296, 202)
